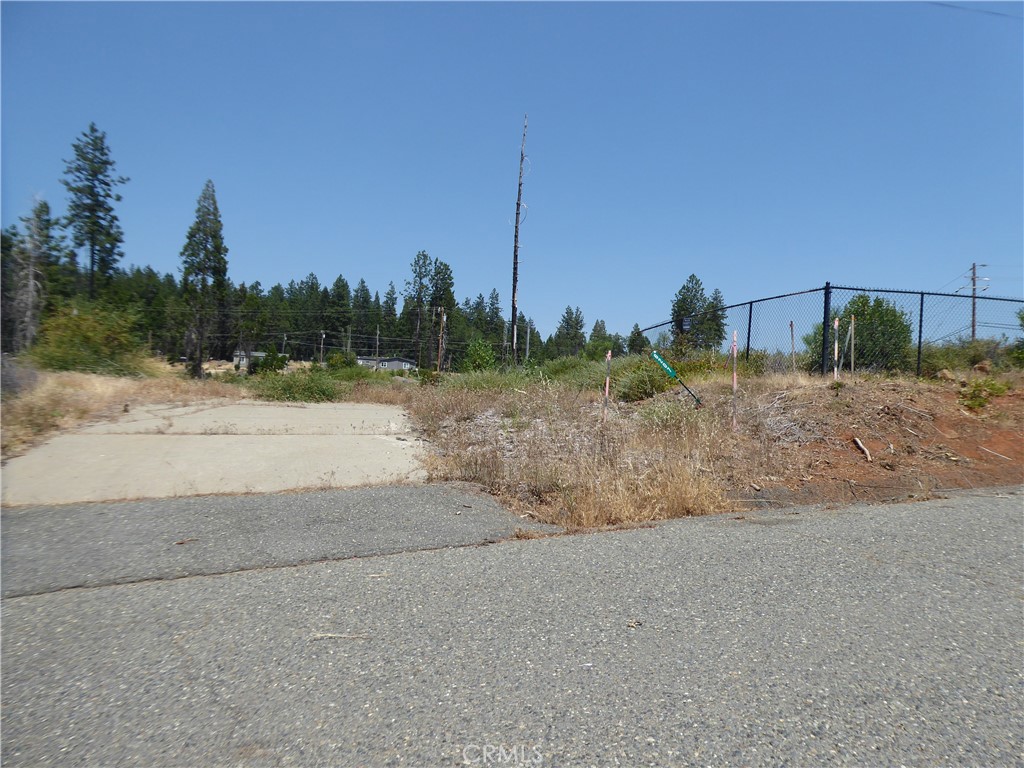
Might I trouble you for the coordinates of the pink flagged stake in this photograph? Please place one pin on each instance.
(835, 353)
(607, 382)
(734, 426)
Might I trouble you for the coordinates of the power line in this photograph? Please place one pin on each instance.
(984, 11)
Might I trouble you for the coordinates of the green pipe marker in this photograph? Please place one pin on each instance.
(673, 375)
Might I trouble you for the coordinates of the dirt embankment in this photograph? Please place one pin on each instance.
(870, 439)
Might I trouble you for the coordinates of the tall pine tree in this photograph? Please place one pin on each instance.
(91, 184)
(204, 272)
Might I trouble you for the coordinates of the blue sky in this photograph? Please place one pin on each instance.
(765, 147)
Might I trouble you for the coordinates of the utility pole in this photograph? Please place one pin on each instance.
(515, 246)
(322, 334)
(283, 342)
(974, 299)
(376, 347)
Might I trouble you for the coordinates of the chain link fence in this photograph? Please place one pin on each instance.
(872, 329)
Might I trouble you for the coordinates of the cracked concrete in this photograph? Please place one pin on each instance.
(165, 451)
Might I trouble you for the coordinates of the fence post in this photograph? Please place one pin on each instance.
(824, 328)
(750, 322)
(920, 333)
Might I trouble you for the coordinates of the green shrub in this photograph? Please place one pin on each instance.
(642, 381)
(314, 385)
(977, 393)
(575, 370)
(479, 357)
(337, 361)
(272, 363)
(357, 373)
(90, 338)
(701, 363)
(964, 354)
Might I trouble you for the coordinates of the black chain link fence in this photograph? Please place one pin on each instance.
(878, 330)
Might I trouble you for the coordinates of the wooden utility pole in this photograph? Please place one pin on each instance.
(515, 247)
(974, 298)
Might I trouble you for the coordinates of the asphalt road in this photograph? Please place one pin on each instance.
(868, 635)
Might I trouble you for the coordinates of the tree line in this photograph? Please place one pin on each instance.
(52, 263)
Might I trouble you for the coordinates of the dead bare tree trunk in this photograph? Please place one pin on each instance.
(28, 297)
(515, 249)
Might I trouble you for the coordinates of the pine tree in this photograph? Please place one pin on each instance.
(416, 295)
(710, 330)
(339, 312)
(91, 185)
(637, 343)
(204, 270)
(364, 326)
(252, 318)
(688, 301)
(389, 316)
(569, 338)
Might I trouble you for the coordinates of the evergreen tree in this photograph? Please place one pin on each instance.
(495, 321)
(150, 294)
(710, 326)
(9, 240)
(338, 315)
(279, 320)
(698, 322)
(388, 318)
(305, 305)
(364, 326)
(91, 184)
(204, 271)
(569, 338)
(637, 343)
(252, 318)
(416, 295)
(442, 304)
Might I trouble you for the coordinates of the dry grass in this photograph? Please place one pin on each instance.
(63, 400)
(543, 447)
(547, 450)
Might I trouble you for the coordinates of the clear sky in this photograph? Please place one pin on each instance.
(766, 147)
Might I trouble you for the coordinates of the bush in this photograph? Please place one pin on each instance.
(479, 357)
(272, 363)
(314, 385)
(964, 354)
(575, 370)
(356, 373)
(643, 381)
(977, 394)
(337, 361)
(93, 339)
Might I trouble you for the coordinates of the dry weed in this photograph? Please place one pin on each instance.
(549, 451)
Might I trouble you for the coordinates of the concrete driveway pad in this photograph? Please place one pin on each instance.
(250, 447)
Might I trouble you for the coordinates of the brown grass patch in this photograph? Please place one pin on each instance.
(547, 450)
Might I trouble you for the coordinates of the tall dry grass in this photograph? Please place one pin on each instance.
(548, 450)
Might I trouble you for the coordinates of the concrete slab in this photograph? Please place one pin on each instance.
(250, 447)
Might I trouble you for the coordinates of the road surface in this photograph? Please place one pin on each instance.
(867, 635)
